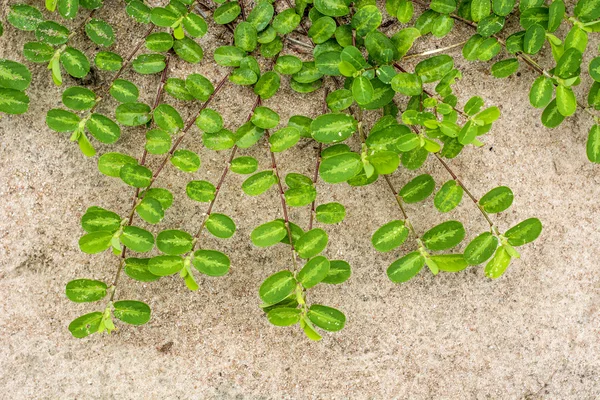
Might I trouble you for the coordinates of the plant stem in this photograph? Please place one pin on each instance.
(286, 218)
(226, 170)
(123, 66)
(317, 165)
(186, 129)
(159, 92)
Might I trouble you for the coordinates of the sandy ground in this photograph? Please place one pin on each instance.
(532, 334)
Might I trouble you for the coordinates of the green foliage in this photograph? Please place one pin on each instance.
(356, 67)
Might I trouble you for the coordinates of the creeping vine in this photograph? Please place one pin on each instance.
(307, 45)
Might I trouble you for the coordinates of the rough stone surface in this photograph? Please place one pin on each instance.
(532, 334)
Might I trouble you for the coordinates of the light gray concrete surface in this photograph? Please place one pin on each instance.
(533, 334)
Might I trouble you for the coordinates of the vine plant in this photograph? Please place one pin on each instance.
(337, 47)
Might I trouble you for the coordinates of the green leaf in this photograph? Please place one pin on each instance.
(138, 11)
(220, 225)
(362, 91)
(261, 15)
(157, 141)
(135, 175)
(284, 316)
(244, 165)
(199, 87)
(366, 19)
(340, 168)
(85, 325)
(326, 318)
(163, 17)
(174, 242)
(259, 183)
(111, 163)
(384, 162)
(312, 243)
(95, 242)
(332, 128)
(50, 32)
(406, 268)
(277, 287)
(267, 85)
(286, 21)
(541, 92)
(448, 197)
(505, 68)
(443, 6)
(229, 56)
(108, 61)
(132, 312)
(434, 68)
(480, 9)
(330, 213)
(444, 236)
(322, 29)
(75, 62)
(14, 75)
(195, 25)
(566, 102)
(498, 264)
(524, 232)
(103, 128)
(137, 239)
(315, 270)
(137, 268)
(288, 65)
(587, 10)
(85, 290)
(164, 196)
(78, 98)
(534, 39)
(284, 138)
(339, 272)
(100, 32)
(265, 118)
(201, 191)
(147, 64)
(389, 236)
(165, 265)
(188, 50)
(497, 200)
(38, 52)
(150, 210)
(593, 144)
(159, 42)
(211, 262)
(339, 100)
(449, 262)
(186, 160)
(269, 233)
(100, 220)
(300, 196)
(62, 120)
(503, 7)
(133, 114)
(246, 36)
(481, 248)
(176, 88)
(167, 118)
(13, 101)
(569, 64)
(332, 8)
(418, 189)
(227, 13)
(407, 84)
(551, 116)
(24, 17)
